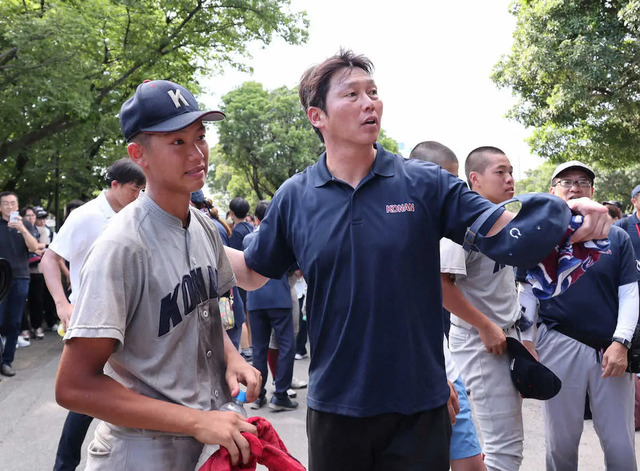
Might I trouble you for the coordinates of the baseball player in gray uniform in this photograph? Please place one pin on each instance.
(145, 351)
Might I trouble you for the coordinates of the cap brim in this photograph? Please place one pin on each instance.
(585, 169)
(186, 119)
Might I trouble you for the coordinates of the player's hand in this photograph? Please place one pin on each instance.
(239, 371)
(614, 361)
(64, 310)
(529, 345)
(225, 429)
(596, 220)
(493, 338)
(453, 404)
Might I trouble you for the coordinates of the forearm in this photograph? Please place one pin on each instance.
(96, 394)
(30, 241)
(50, 267)
(454, 301)
(245, 276)
(627, 311)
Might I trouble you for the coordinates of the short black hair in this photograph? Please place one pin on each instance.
(24, 210)
(125, 171)
(73, 204)
(261, 209)
(239, 206)
(477, 159)
(432, 151)
(7, 193)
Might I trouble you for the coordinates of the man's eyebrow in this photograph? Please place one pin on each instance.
(353, 83)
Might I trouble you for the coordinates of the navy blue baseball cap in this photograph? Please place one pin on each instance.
(635, 191)
(530, 377)
(197, 196)
(538, 227)
(161, 106)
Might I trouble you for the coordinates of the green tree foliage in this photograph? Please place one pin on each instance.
(388, 143)
(611, 184)
(66, 66)
(575, 67)
(265, 139)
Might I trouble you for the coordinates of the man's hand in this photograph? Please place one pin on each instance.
(596, 220)
(493, 338)
(64, 310)
(614, 361)
(453, 404)
(239, 371)
(224, 429)
(529, 345)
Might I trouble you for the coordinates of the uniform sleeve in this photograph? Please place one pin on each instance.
(111, 282)
(226, 276)
(460, 207)
(269, 253)
(628, 264)
(452, 258)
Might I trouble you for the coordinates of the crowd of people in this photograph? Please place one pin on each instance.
(169, 309)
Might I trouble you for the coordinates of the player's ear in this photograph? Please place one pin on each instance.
(137, 153)
(473, 179)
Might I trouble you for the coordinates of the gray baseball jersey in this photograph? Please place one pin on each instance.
(487, 285)
(152, 285)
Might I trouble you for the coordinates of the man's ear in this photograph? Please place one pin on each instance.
(473, 179)
(315, 116)
(137, 154)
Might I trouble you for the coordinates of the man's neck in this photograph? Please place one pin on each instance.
(113, 202)
(350, 164)
(175, 204)
(637, 213)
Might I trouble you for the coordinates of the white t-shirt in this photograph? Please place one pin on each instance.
(487, 285)
(77, 235)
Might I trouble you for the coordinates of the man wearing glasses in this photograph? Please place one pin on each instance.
(16, 242)
(583, 338)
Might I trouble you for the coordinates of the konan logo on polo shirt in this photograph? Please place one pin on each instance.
(194, 290)
(401, 208)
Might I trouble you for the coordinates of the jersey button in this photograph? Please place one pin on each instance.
(205, 313)
(216, 393)
(208, 353)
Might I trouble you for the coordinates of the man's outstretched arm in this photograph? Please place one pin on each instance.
(50, 267)
(595, 226)
(247, 279)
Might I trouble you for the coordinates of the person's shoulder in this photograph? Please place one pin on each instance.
(247, 240)
(618, 234)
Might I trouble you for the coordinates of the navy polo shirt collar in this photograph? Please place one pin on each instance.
(382, 166)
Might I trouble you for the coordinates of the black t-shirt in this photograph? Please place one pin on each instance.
(14, 248)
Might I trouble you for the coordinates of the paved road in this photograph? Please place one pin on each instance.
(31, 421)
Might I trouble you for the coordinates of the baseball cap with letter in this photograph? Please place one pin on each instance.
(161, 106)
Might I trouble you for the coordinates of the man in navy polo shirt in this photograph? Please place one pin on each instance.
(364, 226)
(583, 337)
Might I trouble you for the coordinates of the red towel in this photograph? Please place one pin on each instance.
(266, 449)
